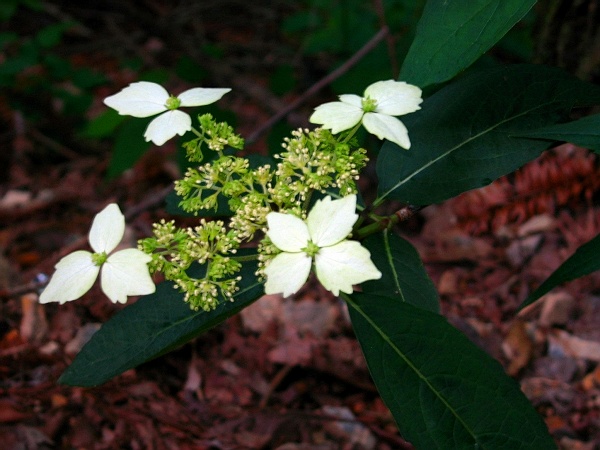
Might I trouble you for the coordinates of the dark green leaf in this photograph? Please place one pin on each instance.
(584, 261)
(282, 79)
(104, 125)
(173, 207)
(452, 35)
(190, 70)
(7, 9)
(27, 56)
(51, 35)
(584, 132)
(152, 326)
(129, 146)
(86, 78)
(462, 138)
(402, 272)
(444, 392)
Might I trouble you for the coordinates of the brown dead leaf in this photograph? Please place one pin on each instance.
(556, 308)
(34, 326)
(10, 412)
(517, 347)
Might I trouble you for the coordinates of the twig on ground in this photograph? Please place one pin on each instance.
(321, 84)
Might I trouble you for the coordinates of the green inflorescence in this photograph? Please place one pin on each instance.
(311, 161)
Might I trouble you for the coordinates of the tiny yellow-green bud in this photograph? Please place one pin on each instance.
(99, 258)
(173, 103)
(311, 249)
(369, 104)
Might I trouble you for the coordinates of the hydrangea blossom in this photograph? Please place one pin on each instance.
(339, 263)
(145, 99)
(123, 273)
(376, 109)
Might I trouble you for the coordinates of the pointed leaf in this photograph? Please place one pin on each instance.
(444, 392)
(149, 328)
(402, 271)
(462, 138)
(452, 35)
(129, 147)
(584, 261)
(584, 132)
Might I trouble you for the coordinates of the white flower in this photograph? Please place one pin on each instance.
(145, 99)
(376, 108)
(339, 263)
(123, 273)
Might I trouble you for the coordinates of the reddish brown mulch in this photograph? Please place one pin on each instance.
(284, 374)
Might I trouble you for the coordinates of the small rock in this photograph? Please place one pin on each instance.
(49, 348)
(556, 309)
(559, 368)
(537, 224)
(84, 334)
(521, 250)
(349, 429)
(561, 343)
(261, 313)
(310, 316)
(448, 283)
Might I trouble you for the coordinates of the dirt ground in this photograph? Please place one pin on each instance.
(285, 374)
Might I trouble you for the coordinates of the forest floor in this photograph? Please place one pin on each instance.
(285, 374)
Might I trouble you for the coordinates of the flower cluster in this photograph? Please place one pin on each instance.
(180, 253)
(312, 161)
(272, 199)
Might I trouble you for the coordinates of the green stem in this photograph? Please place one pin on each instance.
(245, 258)
(197, 133)
(381, 224)
(352, 132)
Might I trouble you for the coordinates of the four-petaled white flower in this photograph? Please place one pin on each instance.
(339, 263)
(123, 273)
(145, 99)
(376, 108)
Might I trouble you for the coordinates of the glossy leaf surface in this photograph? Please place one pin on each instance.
(152, 326)
(584, 261)
(402, 272)
(464, 135)
(444, 392)
(584, 132)
(452, 35)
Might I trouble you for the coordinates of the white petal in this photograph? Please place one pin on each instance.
(288, 232)
(126, 273)
(167, 125)
(107, 229)
(336, 116)
(141, 99)
(331, 221)
(75, 274)
(387, 127)
(343, 265)
(286, 273)
(201, 96)
(351, 99)
(395, 97)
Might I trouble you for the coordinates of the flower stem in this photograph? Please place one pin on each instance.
(352, 132)
(245, 258)
(381, 224)
(197, 133)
